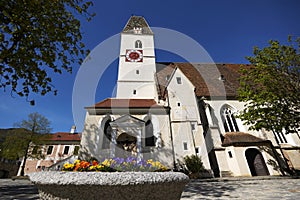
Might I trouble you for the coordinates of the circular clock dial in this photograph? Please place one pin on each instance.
(134, 55)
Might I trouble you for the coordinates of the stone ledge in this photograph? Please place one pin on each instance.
(106, 178)
(110, 185)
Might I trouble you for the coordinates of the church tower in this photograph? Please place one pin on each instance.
(136, 74)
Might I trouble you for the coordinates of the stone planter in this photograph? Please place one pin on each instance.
(105, 185)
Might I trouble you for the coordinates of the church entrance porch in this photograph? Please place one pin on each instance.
(126, 145)
(127, 137)
(256, 162)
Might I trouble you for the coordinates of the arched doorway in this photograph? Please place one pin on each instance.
(256, 162)
(126, 145)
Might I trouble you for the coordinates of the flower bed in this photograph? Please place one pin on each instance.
(116, 164)
(114, 178)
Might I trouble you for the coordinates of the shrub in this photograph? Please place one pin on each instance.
(194, 164)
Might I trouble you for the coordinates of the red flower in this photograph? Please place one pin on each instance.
(84, 164)
(94, 163)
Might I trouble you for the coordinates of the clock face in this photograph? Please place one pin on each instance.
(134, 55)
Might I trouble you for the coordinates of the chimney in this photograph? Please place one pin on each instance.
(73, 129)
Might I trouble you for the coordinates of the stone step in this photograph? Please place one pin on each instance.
(226, 174)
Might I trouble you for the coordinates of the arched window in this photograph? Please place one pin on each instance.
(149, 137)
(228, 120)
(107, 130)
(138, 44)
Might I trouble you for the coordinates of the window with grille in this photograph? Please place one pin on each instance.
(229, 121)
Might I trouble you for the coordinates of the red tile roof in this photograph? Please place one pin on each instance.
(210, 80)
(64, 136)
(241, 139)
(126, 103)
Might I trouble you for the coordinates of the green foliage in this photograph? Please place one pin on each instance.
(15, 144)
(271, 87)
(29, 132)
(194, 164)
(38, 37)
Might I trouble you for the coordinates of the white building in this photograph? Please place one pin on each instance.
(166, 111)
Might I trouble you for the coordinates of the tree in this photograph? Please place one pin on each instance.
(271, 88)
(39, 37)
(32, 131)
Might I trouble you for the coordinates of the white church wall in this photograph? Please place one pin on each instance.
(136, 71)
(131, 90)
(89, 144)
(201, 145)
(182, 99)
(222, 160)
(235, 159)
(183, 140)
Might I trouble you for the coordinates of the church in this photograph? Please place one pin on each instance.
(166, 111)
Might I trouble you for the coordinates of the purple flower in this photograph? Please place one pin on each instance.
(118, 160)
(130, 159)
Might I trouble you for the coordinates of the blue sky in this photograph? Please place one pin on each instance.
(227, 29)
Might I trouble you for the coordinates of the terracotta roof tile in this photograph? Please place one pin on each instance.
(210, 80)
(65, 136)
(241, 139)
(126, 103)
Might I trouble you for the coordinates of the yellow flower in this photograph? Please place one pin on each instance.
(106, 162)
(68, 166)
(76, 161)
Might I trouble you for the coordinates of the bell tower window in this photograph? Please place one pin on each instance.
(138, 44)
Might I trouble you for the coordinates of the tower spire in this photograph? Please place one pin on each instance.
(137, 25)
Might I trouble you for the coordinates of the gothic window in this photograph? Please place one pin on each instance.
(107, 130)
(280, 137)
(149, 137)
(229, 121)
(138, 44)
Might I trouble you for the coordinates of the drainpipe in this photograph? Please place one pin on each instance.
(171, 133)
(194, 143)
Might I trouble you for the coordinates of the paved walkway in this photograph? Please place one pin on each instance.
(243, 188)
(18, 189)
(231, 188)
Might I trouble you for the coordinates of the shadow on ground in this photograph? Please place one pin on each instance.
(26, 192)
(205, 189)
